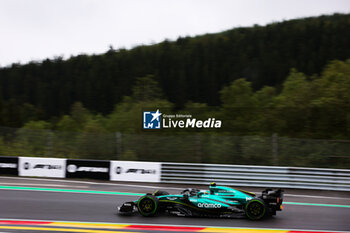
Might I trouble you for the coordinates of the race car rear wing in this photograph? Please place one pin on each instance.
(273, 199)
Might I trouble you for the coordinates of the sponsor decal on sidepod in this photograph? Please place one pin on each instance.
(209, 205)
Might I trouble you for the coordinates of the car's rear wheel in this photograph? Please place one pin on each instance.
(148, 205)
(255, 209)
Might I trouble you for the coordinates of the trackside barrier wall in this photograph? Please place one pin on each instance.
(179, 173)
(79, 168)
(257, 176)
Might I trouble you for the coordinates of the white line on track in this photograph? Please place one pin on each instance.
(48, 185)
(92, 192)
(140, 186)
(94, 183)
(322, 197)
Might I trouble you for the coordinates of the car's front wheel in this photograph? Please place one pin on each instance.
(148, 205)
(255, 209)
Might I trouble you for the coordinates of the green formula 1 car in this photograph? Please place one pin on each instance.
(218, 201)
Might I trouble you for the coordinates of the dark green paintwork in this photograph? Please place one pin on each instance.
(215, 198)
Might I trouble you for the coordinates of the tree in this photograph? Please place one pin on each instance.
(33, 138)
(94, 142)
(80, 114)
(67, 123)
(238, 107)
(333, 101)
(146, 89)
(189, 69)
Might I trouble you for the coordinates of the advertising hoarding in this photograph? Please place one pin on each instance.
(94, 169)
(135, 171)
(9, 165)
(42, 167)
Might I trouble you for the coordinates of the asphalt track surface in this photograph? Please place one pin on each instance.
(87, 207)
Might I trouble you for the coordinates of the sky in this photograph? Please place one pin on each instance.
(33, 30)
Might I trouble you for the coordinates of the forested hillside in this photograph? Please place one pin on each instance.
(187, 70)
(307, 123)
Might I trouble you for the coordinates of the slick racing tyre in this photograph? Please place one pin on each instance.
(255, 209)
(148, 205)
(160, 193)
